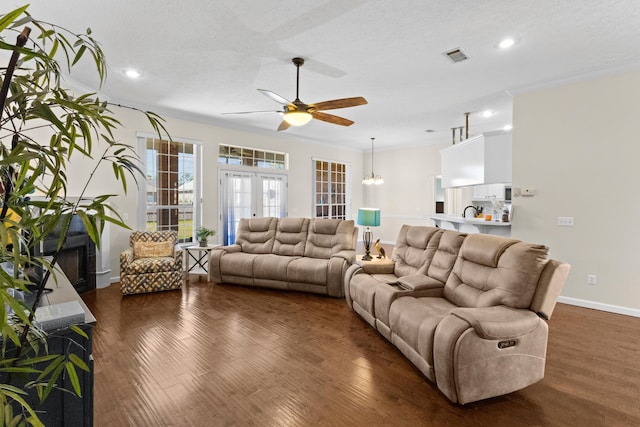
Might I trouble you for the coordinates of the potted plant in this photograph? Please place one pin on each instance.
(42, 127)
(203, 234)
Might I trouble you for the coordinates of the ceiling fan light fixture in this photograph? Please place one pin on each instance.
(297, 118)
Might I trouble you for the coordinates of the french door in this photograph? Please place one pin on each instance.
(247, 195)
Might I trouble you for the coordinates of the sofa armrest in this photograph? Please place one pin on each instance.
(337, 268)
(351, 271)
(126, 258)
(348, 255)
(377, 267)
(500, 322)
(229, 248)
(485, 352)
(418, 282)
(214, 260)
(178, 255)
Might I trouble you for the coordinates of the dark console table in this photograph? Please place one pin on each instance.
(62, 408)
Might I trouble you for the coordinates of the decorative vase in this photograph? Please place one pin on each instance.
(203, 243)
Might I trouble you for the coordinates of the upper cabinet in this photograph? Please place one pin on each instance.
(489, 192)
(484, 159)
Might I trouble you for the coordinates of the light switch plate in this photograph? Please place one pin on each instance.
(565, 221)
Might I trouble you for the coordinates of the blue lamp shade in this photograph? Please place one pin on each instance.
(369, 217)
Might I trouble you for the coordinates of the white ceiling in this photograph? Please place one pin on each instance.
(200, 58)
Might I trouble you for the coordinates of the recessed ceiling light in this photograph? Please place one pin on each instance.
(507, 127)
(506, 43)
(487, 113)
(132, 74)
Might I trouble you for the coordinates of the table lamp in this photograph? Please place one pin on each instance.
(370, 217)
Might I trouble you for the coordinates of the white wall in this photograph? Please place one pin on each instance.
(408, 193)
(300, 172)
(577, 146)
(574, 144)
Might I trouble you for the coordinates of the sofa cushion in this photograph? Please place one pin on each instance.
(308, 270)
(256, 235)
(291, 236)
(486, 249)
(329, 236)
(152, 249)
(444, 257)
(549, 286)
(150, 265)
(418, 282)
(414, 248)
(237, 264)
(493, 270)
(271, 267)
(385, 278)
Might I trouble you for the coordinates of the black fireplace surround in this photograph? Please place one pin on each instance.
(77, 259)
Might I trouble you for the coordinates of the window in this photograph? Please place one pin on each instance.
(171, 187)
(331, 193)
(242, 156)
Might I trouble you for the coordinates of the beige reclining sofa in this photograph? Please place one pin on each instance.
(302, 254)
(468, 311)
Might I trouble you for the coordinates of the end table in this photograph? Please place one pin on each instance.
(200, 257)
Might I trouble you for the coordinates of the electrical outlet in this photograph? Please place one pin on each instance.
(565, 221)
(125, 216)
(527, 192)
(591, 279)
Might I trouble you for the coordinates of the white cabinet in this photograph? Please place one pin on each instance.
(484, 159)
(488, 191)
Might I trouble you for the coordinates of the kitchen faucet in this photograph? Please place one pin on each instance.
(476, 211)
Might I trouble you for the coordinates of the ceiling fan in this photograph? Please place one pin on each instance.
(297, 113)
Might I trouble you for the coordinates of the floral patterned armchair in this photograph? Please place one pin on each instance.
(151, 263)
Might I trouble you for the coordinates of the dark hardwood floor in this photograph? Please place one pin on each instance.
(223, 355)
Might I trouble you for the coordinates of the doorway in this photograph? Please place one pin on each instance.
(248, 195)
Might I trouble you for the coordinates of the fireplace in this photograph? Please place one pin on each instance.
(77, 258)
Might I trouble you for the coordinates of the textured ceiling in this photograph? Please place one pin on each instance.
(200, 58)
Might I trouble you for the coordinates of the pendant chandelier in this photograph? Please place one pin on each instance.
(373, 178)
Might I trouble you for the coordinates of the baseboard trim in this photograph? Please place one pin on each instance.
(627, 311)
(600, 306)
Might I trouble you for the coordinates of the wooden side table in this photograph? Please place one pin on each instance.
(196, 259)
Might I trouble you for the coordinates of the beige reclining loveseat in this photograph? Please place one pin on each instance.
(303, 254)
(468, 311)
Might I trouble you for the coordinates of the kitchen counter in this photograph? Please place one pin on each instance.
(472, 225)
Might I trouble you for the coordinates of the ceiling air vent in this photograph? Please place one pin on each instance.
(456, 55)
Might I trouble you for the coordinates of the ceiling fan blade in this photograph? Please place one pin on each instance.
(340, 103)
(283, 126)
(330, 118)
(275, 97)
(252, 112)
